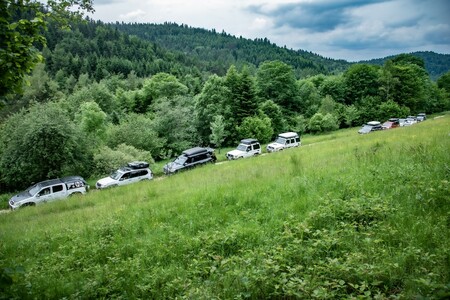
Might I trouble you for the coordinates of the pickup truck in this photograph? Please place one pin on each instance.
(49, 190)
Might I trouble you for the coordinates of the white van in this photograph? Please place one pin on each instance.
(283, 141)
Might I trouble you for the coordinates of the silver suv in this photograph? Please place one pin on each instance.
(247, 148)
(133, 172)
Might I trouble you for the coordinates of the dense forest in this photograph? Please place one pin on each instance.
(105, 94)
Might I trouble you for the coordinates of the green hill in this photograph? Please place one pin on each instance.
(343, 216)
(436, 64)
(217, 51)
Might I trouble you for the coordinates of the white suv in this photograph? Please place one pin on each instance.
(247, 148)
(133, 172)
(283, 141)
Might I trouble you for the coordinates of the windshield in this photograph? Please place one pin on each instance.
(116, 175)
(280, 140)
(366, 128)
(242, 147)
(180, 160)
(33, 189)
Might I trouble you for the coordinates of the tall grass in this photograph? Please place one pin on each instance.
(348, 216)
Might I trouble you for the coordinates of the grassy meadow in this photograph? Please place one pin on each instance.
(343, 216)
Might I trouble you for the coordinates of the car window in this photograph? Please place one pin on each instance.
(45, 191)
(57, 188)
(181, 160)
(256, 146)
(241, 147)
(280, 140)
(139, 173)
(200, 157)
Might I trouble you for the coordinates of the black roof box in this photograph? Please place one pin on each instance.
(195, 151)
(138, 165)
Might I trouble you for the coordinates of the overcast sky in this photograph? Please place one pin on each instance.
(339, 29)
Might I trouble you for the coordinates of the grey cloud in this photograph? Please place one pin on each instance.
(318, 16)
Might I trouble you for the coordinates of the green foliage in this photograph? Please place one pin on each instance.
(137, 131)
(309, 97)
(335, 87)
(391, 109)
(217, 131)
(92, 120)
(275, 113)
(107, 160)
(40, 144)
(21, 26)
(173, 122)
(361, 81)
(209, 103)
(259, 127)
(351, 115)
(276, 81)
(161, 85)
(323, 123)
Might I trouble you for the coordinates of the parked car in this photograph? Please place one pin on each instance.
(49, 190)
(247, 148)
(284, 141)
(391, 123)
(421, 117)
(370, 126)
(132, 172)
(190, 158)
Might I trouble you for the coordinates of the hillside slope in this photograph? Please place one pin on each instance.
(221, 50)
(436, 64)
(345, 215)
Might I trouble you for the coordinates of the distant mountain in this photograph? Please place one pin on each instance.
(436, 64)
(217, 51)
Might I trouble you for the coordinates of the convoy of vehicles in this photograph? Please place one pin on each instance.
(49, 190)
(60, 188)
(392, 123)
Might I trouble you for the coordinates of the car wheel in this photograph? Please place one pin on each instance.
(29, 204)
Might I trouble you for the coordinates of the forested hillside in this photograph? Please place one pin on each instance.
(217, 51)
(435, 64)
(102, 97)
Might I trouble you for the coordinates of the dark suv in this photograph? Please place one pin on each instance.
(189, 159)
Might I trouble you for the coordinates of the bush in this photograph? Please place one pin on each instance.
(108, 160)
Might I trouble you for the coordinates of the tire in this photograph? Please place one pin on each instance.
(29, 204)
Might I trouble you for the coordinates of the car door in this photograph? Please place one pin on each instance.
(57, 192)
(137, 175)
(44, 195)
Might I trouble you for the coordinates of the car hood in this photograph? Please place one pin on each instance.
(106, 181)
(275, 145)
(171, 167)
(235, 152)
(21, 196)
